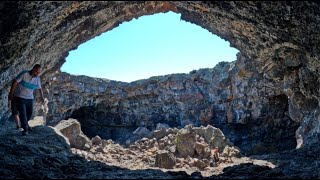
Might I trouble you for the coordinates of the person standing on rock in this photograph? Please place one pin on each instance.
(216, 155)
(22, 89)
(13, 105)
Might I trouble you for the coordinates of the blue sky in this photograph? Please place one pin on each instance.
(153, 45)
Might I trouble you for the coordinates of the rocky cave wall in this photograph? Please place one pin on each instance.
(273, 83)
(255, 118)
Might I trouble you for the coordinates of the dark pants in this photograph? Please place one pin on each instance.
(216, 158)
(25, 112)
(15, 105)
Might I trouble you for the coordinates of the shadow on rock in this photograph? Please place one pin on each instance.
(45, 153)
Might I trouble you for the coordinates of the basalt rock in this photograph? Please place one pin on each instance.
(266, 101)
(254, 117)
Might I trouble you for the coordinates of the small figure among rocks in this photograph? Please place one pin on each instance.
(216, 156)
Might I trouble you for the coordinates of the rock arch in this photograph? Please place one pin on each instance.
(44, 32)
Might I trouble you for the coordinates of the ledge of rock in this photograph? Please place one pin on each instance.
(264, 102)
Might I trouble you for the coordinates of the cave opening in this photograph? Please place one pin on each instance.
(153, 45)
(188, 43)
(264, 102)
(117, 120)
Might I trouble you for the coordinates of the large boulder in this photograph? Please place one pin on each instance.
(71, 128)
(164, 159)
(185, 142)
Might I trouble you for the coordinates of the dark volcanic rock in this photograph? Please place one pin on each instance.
(45, 153)
(266, 101)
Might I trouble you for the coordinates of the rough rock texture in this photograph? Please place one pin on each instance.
(46, 154)
(72, 130)
(38, 156)
(257, 122)
(273, 85)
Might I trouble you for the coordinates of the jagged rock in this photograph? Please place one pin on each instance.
(164, 159)
(162, 125)
(259, 101)
(202, 150)
(109, 109)
(212, 135)
(142, 132)
(37, 121)
(96, 140)
(159, 133)
(106, 142)
(231, 152)
(72, 130)
(162, 132)
(185, 142)
(199, 164)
